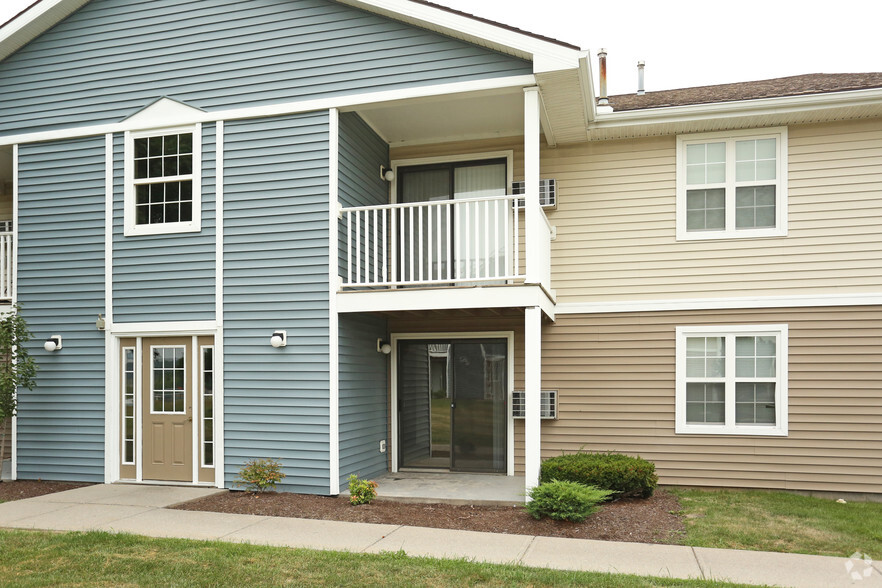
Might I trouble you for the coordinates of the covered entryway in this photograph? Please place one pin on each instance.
(452, 403)
(167, 409)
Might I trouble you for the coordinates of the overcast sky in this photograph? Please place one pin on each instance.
(692, 42)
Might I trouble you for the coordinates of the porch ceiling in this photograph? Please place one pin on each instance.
(483, 115)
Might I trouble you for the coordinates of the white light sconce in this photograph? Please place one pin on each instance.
(386, 173)
(279, 339)
(53, 343)
(383, 347)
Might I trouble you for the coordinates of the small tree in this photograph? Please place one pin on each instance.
(17, 368)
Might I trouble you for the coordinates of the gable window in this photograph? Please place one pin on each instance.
(732, 184)
(732, 380)
(162, 193)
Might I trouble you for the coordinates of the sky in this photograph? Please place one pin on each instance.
(691, 42)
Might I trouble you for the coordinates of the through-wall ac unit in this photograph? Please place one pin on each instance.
(547, 404)
(547, 193)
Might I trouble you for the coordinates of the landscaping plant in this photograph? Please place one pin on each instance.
(625, 475)
(17, 368)
(361, 491)
(565, 501)
(260, 475)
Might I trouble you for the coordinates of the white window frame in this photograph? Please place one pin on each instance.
(730, 138)
(729, 427)
(202, 418)
(150, 389)
(131, 228)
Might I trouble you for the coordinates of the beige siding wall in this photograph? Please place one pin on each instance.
(616, 220)
(616, 379)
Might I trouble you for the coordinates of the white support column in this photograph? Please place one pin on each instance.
(532, 393)
(532, 210)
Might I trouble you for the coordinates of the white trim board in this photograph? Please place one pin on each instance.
(171, 329)
(799, 301)
(342, 102)
(333, 318)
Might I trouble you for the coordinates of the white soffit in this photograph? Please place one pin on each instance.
(36, 20)
(545, 55)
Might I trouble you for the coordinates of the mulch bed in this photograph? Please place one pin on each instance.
(651, 520)
(21, 489)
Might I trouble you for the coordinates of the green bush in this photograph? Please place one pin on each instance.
(565, 501)
(623, 474)
(361, 491)
(260, 475)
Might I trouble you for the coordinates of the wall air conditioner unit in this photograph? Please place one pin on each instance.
(547, 193)
(547, 404)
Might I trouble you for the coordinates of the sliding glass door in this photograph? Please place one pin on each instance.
(452, 404)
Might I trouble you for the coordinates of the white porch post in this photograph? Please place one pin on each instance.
(532, 392)
(532, 210)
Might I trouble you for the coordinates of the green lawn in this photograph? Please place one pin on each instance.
(32, 558)
(780, 521)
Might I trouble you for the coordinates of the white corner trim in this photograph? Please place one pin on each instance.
(13, 459)
(219, 308)
(333, 322)
(797, 301)
(111, 387)
(285, 108)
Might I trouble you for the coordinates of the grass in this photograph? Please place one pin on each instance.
(779, 521)
(32, 558)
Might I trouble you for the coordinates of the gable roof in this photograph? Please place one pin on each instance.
(773, 88)
(545, 53)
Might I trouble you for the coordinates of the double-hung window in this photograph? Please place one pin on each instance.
(162, 175)
(732, 380)
(732, 184)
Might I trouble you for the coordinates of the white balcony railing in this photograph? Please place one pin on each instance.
(469, 241)
(5, 266)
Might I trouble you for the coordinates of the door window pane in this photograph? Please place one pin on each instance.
(169, 379)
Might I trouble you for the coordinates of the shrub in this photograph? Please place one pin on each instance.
(361, 491)
(260, 475)
(623, 474)
(565, 501)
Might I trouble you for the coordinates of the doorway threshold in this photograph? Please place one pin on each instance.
(422, 486)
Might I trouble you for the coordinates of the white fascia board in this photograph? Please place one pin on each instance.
(759, 107)
(545, 55)
(685, 304)
(34, 22)
(284, 108)
(445, 299)
(586, 81)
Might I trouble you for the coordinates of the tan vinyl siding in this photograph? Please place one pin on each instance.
(616, 220)
(616, 379)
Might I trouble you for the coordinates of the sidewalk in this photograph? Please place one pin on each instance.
(142, 510)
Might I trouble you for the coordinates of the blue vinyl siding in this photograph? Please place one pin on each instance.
(61, 291)
(166, 277)
(364, 392)
(276, 401)
(363, 378)
(113, 57)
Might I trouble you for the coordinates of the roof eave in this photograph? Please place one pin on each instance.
(34, 21)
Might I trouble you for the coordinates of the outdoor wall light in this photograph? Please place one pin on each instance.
(279, 339)
(386, 173)
(383, 347)
(53, 343)
(100, 323)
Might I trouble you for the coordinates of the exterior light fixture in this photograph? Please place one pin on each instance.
(386, 173)
(100, 323)
(279, 339)
(53, 343)
(383, 347)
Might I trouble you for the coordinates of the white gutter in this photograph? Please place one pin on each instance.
(758, 107)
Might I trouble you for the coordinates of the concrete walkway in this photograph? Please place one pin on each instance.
(142, 510)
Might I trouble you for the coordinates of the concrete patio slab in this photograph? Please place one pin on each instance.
(182, 524)
(79, 517)
(671, 561)
(784, 569)
(456, 488)
(129, 495)
(22, 509)
(313, 534)
(447, 543)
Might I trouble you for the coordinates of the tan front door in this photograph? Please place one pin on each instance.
(167, 408)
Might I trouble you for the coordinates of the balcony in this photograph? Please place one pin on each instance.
(458, 243)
